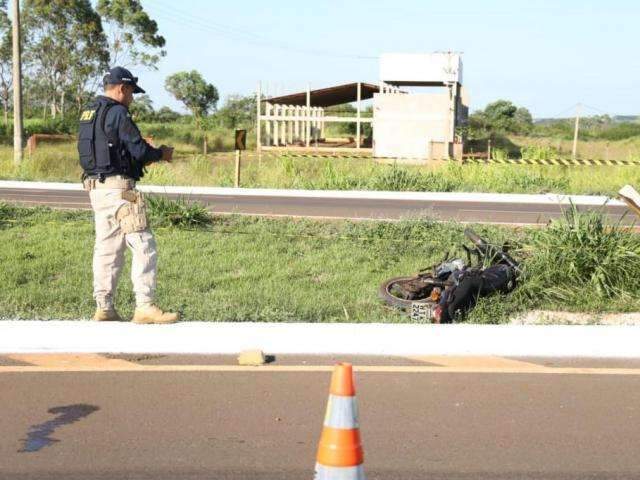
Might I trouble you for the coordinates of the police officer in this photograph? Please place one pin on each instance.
(113, 156)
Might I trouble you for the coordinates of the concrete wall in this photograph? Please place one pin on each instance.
(416, 68)
(404, 125)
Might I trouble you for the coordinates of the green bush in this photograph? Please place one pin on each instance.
(580, 260)
(535, 152)
(178, 213)
(67, 125)
(621, 131)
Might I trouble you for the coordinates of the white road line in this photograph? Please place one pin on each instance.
(321, 368)
(39, 195)
(45, 202)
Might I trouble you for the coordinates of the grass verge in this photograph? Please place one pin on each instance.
(59, 163)
(258, 269)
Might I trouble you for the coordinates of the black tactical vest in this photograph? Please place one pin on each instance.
(100, 151)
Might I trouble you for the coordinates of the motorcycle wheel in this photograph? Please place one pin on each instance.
(386, 289)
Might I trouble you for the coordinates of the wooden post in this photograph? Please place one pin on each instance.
(258, 126)
(268, 126)
(489, 149)
(314, 125)
(322, 133)
(237, 180)
(17, 86)
(283, 125)
(358, 96)
(296, 124)
(276, 131)
(574, 151)
(307, 132)
(289, 125)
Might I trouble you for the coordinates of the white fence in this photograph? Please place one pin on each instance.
(286, 125)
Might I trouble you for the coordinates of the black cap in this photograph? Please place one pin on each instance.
(118, 75)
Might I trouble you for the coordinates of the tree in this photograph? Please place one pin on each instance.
(166, 115)
(237, 111)
(6, 75)
(141, 108)
(500, 117)
(500, 114)
(523, 120)
(194, 92)
(65, 49)
(133, 35)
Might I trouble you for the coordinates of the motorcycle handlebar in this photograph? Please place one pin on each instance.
(486, 249)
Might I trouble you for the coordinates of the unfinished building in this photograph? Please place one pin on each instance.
(418, 108)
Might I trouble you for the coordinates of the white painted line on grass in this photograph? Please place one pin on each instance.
(321, 338)
(544, 199)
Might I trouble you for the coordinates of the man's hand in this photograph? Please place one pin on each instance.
(167, 153)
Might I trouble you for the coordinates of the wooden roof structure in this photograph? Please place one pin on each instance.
(327, 97)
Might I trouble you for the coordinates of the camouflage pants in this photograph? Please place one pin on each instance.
(121, 222)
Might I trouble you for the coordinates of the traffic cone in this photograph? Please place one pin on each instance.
(340, 454)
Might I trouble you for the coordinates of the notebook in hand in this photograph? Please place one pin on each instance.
(631, 196)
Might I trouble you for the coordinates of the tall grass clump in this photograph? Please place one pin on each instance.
(538, 152)
(581, 261)
(395, 178)
(402, 179)
(178, 213)
(499, 154)
(160, 174)
(7, 213)
(333, 179)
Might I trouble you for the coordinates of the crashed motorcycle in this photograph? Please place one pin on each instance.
(447, 290)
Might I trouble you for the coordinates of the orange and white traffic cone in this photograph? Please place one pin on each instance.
(340, 454)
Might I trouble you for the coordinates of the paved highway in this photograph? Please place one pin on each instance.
(200, 421)
(350, 207)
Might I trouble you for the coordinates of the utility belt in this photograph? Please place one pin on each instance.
(119, 182)
(131, 215)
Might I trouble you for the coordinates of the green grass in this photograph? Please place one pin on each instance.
(178, 213)
(257, 269)
(621, 149)
(59, 163)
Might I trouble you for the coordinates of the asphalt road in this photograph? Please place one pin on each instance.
(481, 212)
(230, 425)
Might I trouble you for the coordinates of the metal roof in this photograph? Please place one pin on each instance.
(327, 97)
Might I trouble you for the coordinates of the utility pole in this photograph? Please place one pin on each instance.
(574, 151)
(17, 86)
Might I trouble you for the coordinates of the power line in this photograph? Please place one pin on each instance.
(573, 107)
(595, 109)
(206, 25)
(174, 15)
(559, 114)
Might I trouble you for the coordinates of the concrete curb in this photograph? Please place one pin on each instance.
(524, 199)
(321, 338)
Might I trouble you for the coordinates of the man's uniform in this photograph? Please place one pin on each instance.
(113, 155)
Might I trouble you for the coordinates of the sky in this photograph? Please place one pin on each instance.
(544, 55)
